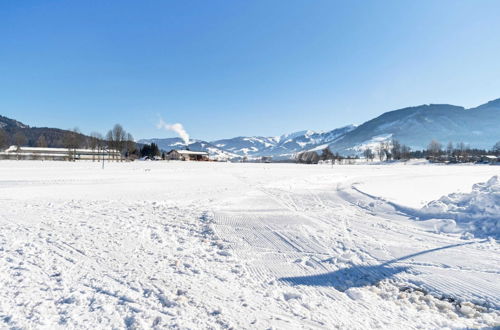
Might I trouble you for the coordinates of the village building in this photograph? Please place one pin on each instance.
(35, 153)
(490, 159)
(187, 155)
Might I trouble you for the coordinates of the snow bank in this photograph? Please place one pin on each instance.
(477, 212)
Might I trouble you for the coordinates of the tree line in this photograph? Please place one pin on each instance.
(458, 152)
(115, 139)
(395, 150)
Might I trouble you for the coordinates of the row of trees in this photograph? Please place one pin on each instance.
(394, 150)
(116, 139)
(459, 152)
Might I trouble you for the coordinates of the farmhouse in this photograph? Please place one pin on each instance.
(490, 159)
(32, 153)
(187, 155)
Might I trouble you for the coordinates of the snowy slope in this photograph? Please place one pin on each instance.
(283, 146)
(246, 145)
(417, 126)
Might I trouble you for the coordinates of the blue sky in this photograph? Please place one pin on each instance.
(230, 68)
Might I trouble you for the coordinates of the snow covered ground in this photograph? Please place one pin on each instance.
(221, 245)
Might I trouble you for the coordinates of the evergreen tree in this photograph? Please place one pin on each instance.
(327, 154)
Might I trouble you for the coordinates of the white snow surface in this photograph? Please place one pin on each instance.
(240, 245)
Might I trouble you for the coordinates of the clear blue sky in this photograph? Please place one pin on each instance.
(229, 68)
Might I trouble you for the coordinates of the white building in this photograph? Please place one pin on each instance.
(33, 153)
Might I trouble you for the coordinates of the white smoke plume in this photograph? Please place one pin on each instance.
(177, 128)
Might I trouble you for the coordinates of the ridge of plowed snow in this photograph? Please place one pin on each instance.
(477, 212)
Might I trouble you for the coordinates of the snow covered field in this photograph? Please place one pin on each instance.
(221, 245)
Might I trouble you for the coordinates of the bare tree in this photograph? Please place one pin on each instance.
(95, 143)
(67, 140)
(119, 135)
(462, 151)
(19, 140)
(396, 149)
(381, 151)
(116, 138)
(387, 150)
(130, 145)
(369, 154)
(496, 148)
(109, 140)
(405, 152)
(94, 140)
(434, 149)
(41, 142)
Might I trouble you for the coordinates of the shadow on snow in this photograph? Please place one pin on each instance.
(359, 276)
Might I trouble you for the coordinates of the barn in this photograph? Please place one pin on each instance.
(187, 155)
(33, 153)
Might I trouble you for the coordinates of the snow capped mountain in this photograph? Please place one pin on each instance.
(7, 123)
(414, 126)
(283, 146)
(245, 146)
(291, 136)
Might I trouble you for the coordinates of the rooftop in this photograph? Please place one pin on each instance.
(190, 152)
(37, 149)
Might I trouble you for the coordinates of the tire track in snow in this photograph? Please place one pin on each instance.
(302, 216)
(458, 282)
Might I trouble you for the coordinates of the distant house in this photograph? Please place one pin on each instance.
(33, 153)
(489, 159)
(187, 155)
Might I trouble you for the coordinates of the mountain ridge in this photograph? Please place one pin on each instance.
(414, 126)
(53, 136)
